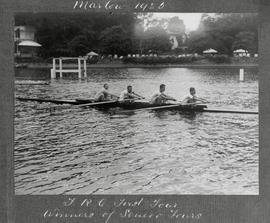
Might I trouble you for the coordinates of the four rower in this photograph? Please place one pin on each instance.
(158, 98)
(192, 97)
(104, 95)
(129, 95)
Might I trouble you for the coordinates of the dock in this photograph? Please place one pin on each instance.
(58, 67)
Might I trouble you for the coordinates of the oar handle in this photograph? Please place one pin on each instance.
(202, 99)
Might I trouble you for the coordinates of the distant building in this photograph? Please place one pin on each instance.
(174, 42)
(241, 53)
(177, 41)
(25, 44)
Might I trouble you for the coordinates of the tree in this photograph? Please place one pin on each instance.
(78, 45)
(156, 39)
(247, 41)
(176, 26)
(115, 40)
(224, 32)
(65, 34)
(145, 19)
(138, 37)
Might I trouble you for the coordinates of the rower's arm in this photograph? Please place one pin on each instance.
(167, 97)
(139, 96)
(185, 100)
(113, 95)
(201, 99)
(132, 95)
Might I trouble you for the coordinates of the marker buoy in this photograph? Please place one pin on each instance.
(241, 74)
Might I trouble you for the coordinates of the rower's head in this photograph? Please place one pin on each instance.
(106, 86)
(162, 88)
(192, 91)
(129, 88)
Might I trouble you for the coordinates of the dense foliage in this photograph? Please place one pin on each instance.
(63, 34)
(225, 33)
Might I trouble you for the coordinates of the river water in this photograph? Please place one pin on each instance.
(88, 151)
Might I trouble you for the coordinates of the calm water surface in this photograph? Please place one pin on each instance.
(86, 151)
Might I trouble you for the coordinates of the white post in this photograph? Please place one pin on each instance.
(60, 67)
(84, 66)
(79, 68)
(54, 63)
(53, 74)
(241, 74)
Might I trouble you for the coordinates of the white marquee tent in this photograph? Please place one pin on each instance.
(29, 43)
(210, 51)
(92, 53)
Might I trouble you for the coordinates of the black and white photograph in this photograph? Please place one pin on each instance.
(136, 103)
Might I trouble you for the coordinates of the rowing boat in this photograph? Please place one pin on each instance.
(143, 105)
(112, 104)
(137, 105)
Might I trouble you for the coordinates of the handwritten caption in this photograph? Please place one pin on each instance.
(116, 5)
(107, 210)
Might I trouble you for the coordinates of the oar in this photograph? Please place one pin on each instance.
(170, 106)
(204, 110)
(230, 111)
(55, 101)
(85, 100)
(97, 103)
(157, 107)
(90, 104)
(202, 100)
(104, 102)
(140, 97)
(84, 105)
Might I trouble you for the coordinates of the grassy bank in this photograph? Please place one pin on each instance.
(159, 62)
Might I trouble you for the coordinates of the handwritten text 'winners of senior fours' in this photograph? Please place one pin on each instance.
(108, 210)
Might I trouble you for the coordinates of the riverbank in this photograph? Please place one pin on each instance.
(121, 65)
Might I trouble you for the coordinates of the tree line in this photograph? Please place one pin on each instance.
(63, 34)
(226, 33)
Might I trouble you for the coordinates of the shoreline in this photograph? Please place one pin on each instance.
(119, 66)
